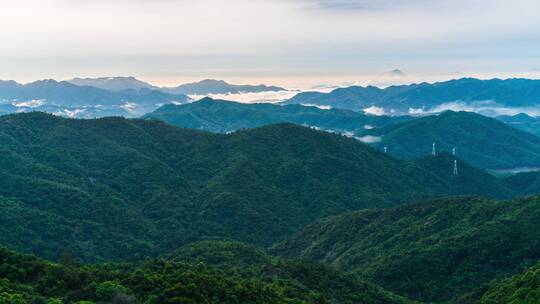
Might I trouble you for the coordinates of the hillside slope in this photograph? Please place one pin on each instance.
(481, 141)
(113, 188)
(432, 251)
(227, 116)
(522, 122)
(523, 288)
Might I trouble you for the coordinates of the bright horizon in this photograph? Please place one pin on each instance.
(295, 44)
(308, 83)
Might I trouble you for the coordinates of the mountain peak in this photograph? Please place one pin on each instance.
(206, 100)
(395, 72)
(117, 83)
(211, 81)
(213, 86)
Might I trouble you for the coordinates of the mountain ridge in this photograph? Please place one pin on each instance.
(425, 97)
(202, 87)
(227, 116)
(482, 141)
(65, 98)
(148, 187)
(212, 86)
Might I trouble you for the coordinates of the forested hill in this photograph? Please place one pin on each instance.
(482, 141)
(432, 251)
(116, 189)
(522, 288)
(225, 116)
(26, 279)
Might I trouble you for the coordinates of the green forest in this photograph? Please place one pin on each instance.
(26, 279)
(117, 210)
(114, 189)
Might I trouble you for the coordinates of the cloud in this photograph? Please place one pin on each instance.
(35, 103)
(322, 107)
(373, 110)
(259, 97)
(69, 113)
(130, 106)
(369, 139)
(485, 107)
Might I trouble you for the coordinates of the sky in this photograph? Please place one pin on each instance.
(292, 43)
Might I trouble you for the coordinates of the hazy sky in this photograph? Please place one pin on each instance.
(286, 42)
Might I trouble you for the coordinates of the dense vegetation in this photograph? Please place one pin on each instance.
(26, 279)
(117, 189)
(226, 116)
(481, 141)
(420, 97)
(520, 289)
(433, 251)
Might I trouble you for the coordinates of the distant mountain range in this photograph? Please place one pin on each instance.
(488, 97)
(113, 83)
(203, 87)
(227, 116)
(67, 99)
(211, 86)
(130, 97)
(107, 96)
(479, 140)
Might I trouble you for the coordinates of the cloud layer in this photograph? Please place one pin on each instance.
(488, 108)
